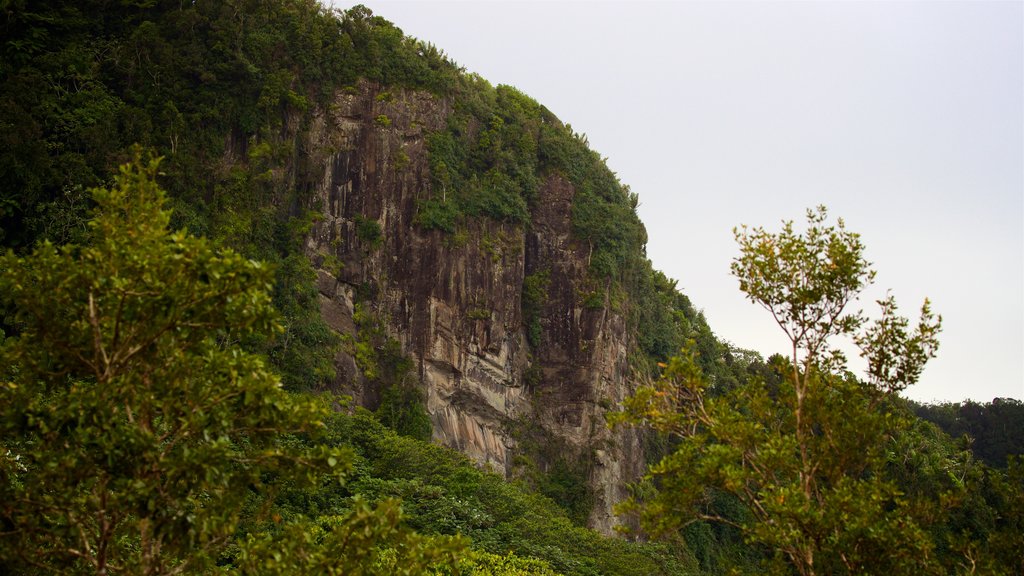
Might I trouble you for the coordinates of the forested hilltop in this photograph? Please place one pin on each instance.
(263, 257)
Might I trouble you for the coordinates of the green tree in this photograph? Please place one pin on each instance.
(995, 429)
(486, 564)
(1008, 538)
(806, 455)
(135, 432)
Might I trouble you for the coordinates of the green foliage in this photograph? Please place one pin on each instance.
(720, 547)
(535, 294)
(1007, 539)
(532, 376)
(489, 161)
(400, 161)
(304, 352)
(443, 492)
(204, 82)
(976, 511)
(369, 231)
(402, 408)
(225, 92)
(995, 429)
(593, 299)
(603, 210)
(437, 215)
(805, 454)
(498, 146)
(549, 466)
(485, 564)
(485, 163)
(805, 281)
(200, 82)
(367, 540)
(389, 371)
(136, 432)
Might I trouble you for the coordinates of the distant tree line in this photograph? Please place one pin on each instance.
(994, 430)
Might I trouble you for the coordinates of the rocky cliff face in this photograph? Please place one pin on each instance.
(455, 301)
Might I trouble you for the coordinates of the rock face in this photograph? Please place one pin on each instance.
(455, 301)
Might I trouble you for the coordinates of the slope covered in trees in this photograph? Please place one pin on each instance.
(142, 439)
(830, 468)
(103, 470)
(994, 430)
(82, 81)
(228, 94)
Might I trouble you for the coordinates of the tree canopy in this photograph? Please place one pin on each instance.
(806, 452)
(137, 434)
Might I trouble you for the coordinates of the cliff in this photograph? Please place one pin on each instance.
(455, 302)
(469, 251)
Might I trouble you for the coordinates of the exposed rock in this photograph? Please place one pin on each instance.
(455, 301)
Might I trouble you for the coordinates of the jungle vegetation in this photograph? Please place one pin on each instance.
(162, 343)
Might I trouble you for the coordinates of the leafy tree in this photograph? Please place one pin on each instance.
(485, 564)
(134, 430)
(402, 409)
(1008, 538)
(806, 455)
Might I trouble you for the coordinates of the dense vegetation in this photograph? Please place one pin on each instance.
(499, 146)
(994, 430)
(138, 437)
(834, 474)
(80, 82)
(143, 439)
(149, 434)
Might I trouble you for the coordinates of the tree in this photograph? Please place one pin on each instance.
(134, 431)
(806, 454)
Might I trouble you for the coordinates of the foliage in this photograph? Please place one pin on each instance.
(369, 231)
(665, 320)
(443, 492)
(484, 163)
(402, 409)
(224, 91)
(498, 146)
(1007, 539)
(805, 281)
(364, 541)
(485, 564)
(388, 371)
(205, 83)
(995, 429)
(535, 294)
(549, 466)
(304, 352)
(135, 430)
(806, 454)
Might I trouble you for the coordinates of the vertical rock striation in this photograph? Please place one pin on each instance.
(454, 301)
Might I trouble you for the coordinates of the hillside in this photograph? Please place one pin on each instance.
(446, 253)
(467, 245)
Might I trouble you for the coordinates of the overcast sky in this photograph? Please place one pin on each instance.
(906, 119)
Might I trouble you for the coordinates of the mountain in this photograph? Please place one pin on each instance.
(454, 258)
(448, 252)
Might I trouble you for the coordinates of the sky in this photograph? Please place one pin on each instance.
(906, 119)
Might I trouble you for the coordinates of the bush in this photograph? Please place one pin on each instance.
(369, 231)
